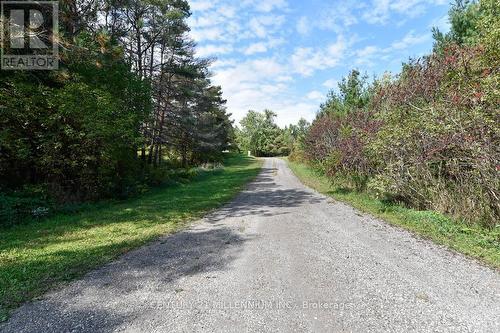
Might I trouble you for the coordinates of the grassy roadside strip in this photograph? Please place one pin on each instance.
(476, 242)
(40, 256)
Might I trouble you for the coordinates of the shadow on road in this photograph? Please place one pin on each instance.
(131, 283)
(261, 196)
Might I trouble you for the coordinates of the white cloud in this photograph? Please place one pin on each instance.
(308, 60)
(442, 23)
(255, 48)
(268, 67)
(408, 7)
(227, 11)
(331, 83)
(284, 78)
(232, 23)
(209, 34)
(367, 51)
(208, 50)
(291, 113)
(380, 11)
(257, 28)
(337, 49)
(201, 5)
(260, 47)
(377, 12)
(370, 55)
(315, 95)
(266, 5)
(202, 22)
(303, 26)
(219, 64)
(274, 42)
(339, 16)
(260, 84)
(250, 71)
(410, 39)
(274, 88)
(262, 26)
(367, 55)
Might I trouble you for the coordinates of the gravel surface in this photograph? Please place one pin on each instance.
(280, 257)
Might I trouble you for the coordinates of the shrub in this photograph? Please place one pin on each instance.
(20, 206)
(338, 145)
(438, 147)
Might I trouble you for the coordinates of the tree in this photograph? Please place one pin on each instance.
(463, 17)
(354, 93)
(260, 135)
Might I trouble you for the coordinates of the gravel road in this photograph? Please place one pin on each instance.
(280, 257)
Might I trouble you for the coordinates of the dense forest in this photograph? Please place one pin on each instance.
(429, 137)
(129, 104)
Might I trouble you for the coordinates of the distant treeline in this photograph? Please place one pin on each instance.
(260, 135)
(429, 137)
(129, 103)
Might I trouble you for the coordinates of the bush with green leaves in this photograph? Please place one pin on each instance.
(438, 147)
(338, 138)
(73, 131)
(23, 205)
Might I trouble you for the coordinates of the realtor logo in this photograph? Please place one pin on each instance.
(29, 35)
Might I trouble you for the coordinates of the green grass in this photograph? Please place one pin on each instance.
(39, 256)
(474, 241)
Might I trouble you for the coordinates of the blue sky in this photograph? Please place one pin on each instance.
(286, 55)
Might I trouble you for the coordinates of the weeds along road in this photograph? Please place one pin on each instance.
(280, 257)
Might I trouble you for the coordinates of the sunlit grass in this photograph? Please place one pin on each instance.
(38, 256)
(477, 242)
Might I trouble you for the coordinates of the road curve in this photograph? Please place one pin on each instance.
(280, 257)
